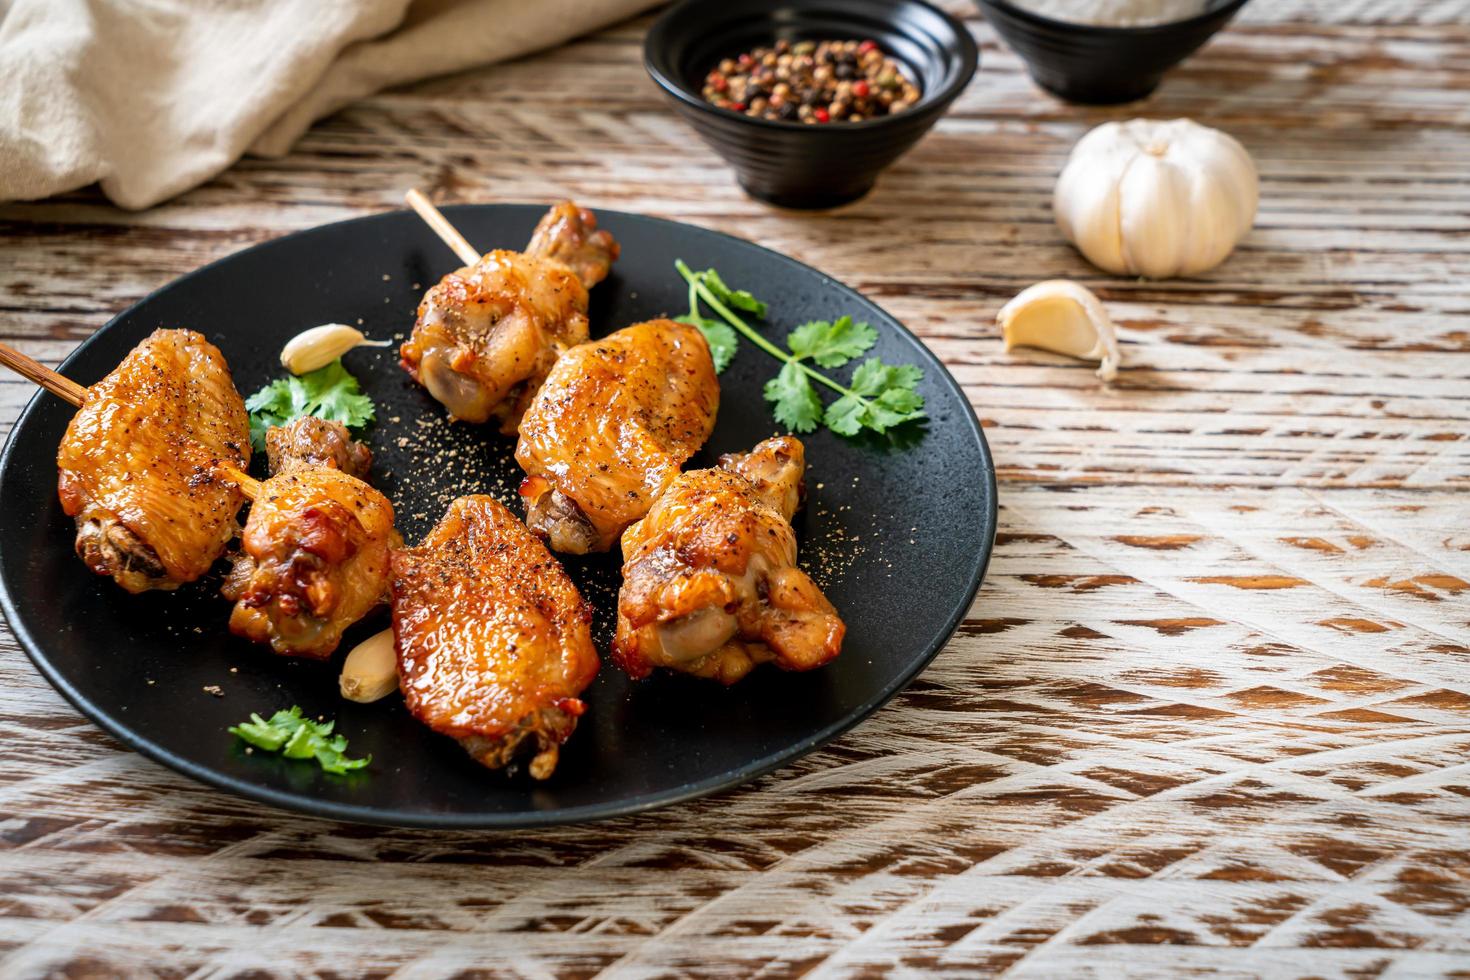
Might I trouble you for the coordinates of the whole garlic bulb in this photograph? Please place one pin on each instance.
(1156, 199)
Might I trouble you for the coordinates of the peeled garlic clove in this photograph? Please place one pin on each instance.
(370, 671)
(1062, 316)
(320, 346)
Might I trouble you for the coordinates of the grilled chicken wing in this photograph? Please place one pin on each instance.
(310, 441)
(610, 428)
(487, 334)
(314, 560)
(137, 463)
(494, 642)
(568, 234)
(710, 583)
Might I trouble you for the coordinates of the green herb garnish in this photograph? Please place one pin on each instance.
(878, 397)
(721, 339)
(832, 343)
(738, 298)
(329, 393)
(298, 737)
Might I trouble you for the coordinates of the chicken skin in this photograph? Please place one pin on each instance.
(314, 560)
(610, 428)
(310, 441)
(568, 234)
(487, 334)
(137, 464)
(710, 583)
(494, 641)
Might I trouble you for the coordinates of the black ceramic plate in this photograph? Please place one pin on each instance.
(899, 537)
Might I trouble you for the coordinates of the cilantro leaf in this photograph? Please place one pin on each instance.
(345, 403)
(720, 336)
(738, 298)
(894, 407)
(901, 400)
(883, 396)
(878, 398)
(269, 406)
(259, 732)
(297, 737)
(873, 377)
(845, 415)
(793, 400)
(330, 393)
(832, 343)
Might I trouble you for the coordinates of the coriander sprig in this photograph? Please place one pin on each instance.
(878, 397)
(298, 737)
(721, 339)
(329, 393)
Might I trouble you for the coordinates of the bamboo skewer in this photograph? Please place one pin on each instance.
(69, 391)
(248, 485)
(33, 370)
(29, 367)
(447, 232)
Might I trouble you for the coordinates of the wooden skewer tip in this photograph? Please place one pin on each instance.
(435, 219)
(248, 485)
(30, 368)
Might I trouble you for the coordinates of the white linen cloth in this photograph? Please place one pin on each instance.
(152, 97)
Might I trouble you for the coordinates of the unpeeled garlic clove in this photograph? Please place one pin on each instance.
(1154, 198)
(316, 348)
(1062, 316)
(370, 671)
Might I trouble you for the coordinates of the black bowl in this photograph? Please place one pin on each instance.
(1102, 65)
(792, 164)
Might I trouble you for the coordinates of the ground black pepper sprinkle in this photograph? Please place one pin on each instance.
(811, 82)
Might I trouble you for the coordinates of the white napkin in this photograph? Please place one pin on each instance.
(152, 97)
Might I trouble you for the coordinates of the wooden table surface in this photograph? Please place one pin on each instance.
(1210, 712)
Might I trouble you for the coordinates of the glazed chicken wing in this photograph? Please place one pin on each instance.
(314, 560)
(137, 463)
(710, 583)
(487, 334)
(610, 428)
(494, 641)
(310, 441)
(568, 234)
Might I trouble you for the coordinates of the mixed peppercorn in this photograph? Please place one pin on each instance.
(811, 82)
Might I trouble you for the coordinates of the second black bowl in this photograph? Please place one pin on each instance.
(1102, 65)
(792, 164)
